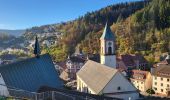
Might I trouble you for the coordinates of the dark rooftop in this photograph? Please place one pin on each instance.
(30, 74)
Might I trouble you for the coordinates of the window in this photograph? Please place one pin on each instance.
(155, 83)
(161, 84)
(118, 88)
(167, 85)
(110, 50)
(168, 80)
(161, 90)
(155, 78)
(155, 88)
(141, 82)
(161, 79)
(138, 87)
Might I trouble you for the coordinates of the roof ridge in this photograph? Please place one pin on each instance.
(23, 60)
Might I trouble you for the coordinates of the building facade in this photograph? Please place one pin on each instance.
(161, 80)
(95, 78)
(142, 80)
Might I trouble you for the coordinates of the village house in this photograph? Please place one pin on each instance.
(103, 78)
(70, 67)
(142, 80)
(132, 61)
(161, 80)
(165, 61)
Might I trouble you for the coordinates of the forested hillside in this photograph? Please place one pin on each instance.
(141, 27)
(84, 32)
(146, 32)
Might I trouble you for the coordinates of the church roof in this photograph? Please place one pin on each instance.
(96, 75)
(107, 33)
(31, 74)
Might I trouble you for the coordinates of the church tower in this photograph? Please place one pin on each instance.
(37, 51)
(107, 41)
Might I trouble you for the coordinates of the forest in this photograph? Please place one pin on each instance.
(140, 27)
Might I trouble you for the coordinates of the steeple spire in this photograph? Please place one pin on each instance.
(37, 51)
(107, 33)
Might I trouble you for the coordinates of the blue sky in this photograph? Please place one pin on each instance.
(21, 14)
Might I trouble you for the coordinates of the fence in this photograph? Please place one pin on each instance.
(51, 95)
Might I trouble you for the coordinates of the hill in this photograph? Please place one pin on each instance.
(12, 32)
(84, 32)
(147, 31)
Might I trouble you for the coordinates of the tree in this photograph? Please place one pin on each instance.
(150, 91)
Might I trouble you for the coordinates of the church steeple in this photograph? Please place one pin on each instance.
(37, 51)
(107, 42)
(107, 33)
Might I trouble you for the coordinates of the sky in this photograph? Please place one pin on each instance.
(22, 14)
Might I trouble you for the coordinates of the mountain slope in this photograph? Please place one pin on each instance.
(88, 26)
(12, 32)
(85, 31)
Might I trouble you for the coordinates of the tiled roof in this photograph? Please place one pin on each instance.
(30, 74)
(96, 75)
(139, 74)
(165, 62)
(162, 71)
(94, 57)
(129, 59)
(107, 34)
(76, 59)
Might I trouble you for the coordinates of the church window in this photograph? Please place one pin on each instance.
(118, 88)
(110, 50)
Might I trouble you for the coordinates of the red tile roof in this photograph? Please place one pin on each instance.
(139, 74)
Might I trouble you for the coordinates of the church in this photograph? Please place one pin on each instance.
(103, 78)
(29, 75)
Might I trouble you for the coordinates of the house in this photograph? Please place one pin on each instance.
(29, 74)
(161, 80)
(142, 80)
(71, 66)
(133, 61)
(99, 79)
(165, 61)
(103, 78)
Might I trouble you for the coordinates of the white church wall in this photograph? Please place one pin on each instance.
(131, 96)
(120, 84)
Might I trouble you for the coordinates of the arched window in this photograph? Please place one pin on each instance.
(110, 50)
(118, 88)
